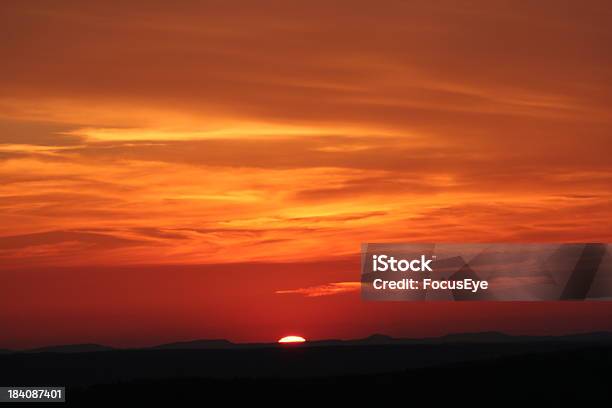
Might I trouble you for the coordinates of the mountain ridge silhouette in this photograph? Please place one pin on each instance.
(374, 339)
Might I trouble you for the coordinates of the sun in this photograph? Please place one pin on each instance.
(292, 339)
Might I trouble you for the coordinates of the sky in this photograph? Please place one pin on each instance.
(210, 169)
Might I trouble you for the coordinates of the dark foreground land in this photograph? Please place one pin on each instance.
(545, 371)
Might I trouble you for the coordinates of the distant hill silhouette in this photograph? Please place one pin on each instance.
(196, 345)
(497, 337)
(477, 337)
(92, 363)
(71, 348)
(374, 339)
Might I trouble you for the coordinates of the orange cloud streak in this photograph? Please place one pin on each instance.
(329, 289)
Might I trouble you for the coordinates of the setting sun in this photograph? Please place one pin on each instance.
(292, 339)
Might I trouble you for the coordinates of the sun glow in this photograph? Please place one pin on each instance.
(292, 339)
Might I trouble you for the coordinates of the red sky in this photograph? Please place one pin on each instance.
(209, 170)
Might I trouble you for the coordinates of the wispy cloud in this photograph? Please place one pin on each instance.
(328, 289)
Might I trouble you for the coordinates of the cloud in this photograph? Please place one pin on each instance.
(329, 289)
(36, 134)
(277, 132)
(419, 66)
(58, 237)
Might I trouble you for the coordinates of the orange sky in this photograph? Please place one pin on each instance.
(287, 133)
